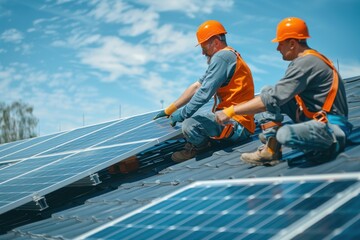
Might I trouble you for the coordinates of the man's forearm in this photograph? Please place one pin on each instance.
(253, 106)
(187, 95)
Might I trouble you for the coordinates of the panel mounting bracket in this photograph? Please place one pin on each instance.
(38, 203)
(91, 180)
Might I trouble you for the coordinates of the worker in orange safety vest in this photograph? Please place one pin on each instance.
(311, 93)
(229, 79)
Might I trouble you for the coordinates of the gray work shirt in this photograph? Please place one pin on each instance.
(219, 73)
(311, 78)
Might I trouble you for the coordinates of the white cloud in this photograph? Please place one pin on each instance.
(49, 27)
(189, 7)
(137, 21)
(158, 88)
(109, 10)
(140, 22)
(166, 41)
(77, 40)
(272, 60)
(39, 21)
(12, 35)
(5, 79)
(62, 1)
(255, 69)
(24, 49)
(116, 57)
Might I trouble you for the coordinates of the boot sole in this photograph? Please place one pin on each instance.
(262, 163)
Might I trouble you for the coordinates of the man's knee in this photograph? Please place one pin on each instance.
(188, 125)
(283, 135)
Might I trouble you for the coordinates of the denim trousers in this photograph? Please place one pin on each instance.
(308, 135)
(311, 136)
(199, 128)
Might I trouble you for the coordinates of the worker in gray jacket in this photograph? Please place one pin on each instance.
(311, 93)
(229, 79)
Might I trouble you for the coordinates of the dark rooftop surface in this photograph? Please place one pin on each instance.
(75, 211)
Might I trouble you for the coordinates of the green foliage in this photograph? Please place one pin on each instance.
(16, 121)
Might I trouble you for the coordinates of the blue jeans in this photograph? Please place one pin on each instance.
(199, 128)
(311, 136)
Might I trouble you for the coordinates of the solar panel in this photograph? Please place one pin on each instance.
(37, 176)
(120, 130)
(52, 162)
(271, 208)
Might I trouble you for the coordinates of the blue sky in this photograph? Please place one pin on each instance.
(88, 61)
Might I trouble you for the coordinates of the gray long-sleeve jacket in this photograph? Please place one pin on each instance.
(218, 74)
(311, 78)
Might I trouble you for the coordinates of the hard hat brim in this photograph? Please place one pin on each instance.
(300, 38)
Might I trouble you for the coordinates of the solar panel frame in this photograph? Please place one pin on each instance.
(291, 230)
(158, 126)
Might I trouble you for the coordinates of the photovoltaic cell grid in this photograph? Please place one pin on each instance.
(121, 130)
(68, 157)
(59, 172)
(43, 144)
(342, 223)
(8, 145)
(14, 147)
(318, 207)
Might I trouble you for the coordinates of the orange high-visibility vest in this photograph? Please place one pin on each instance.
(332, 92)
(240, 89)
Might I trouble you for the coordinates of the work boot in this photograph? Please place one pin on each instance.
(268, 154)
(189, 152)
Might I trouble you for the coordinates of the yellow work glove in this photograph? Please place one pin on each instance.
(166, 112)
(230, 111)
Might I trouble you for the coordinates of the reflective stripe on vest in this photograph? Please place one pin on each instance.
(333, 89)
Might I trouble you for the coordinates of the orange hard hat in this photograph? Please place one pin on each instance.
(208, 29)
(291, 27)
